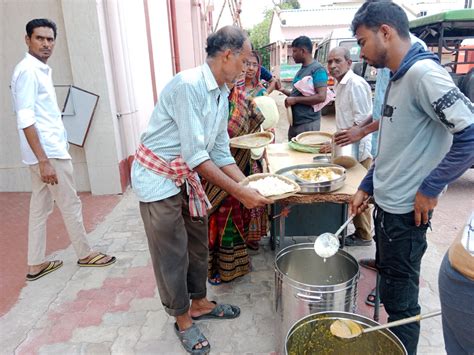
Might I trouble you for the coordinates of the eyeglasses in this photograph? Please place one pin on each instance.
(251, 65)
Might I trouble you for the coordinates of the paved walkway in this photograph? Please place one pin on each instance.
(117, 309)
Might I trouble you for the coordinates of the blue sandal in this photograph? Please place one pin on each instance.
(192, 337)
(215, 280)
(221, 311)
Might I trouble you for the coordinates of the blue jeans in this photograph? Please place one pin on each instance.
(456, 293)
(400, 247)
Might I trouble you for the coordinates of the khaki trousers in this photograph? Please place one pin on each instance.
(42, 201)
(363, 221)
(179, 251)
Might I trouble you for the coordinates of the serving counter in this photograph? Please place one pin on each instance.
(308, 214)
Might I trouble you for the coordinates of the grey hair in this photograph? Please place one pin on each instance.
(345, 52)
(228, 37)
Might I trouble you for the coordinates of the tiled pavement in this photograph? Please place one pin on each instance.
(117, 309)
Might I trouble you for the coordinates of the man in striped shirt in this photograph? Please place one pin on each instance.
(187, 135)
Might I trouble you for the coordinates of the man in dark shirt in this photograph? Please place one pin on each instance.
(304, 117)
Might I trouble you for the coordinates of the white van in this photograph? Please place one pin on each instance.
(343, 38)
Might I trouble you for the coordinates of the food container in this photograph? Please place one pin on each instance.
(306, 284)
(315, 187)
(311, 335)
(346, 156)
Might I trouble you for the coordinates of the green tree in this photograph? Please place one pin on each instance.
(260, 33)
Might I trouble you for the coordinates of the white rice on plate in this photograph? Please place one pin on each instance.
(271, 186)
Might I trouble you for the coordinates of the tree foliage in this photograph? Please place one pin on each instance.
(260, 33)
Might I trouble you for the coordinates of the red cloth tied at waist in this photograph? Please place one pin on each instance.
(178, 171)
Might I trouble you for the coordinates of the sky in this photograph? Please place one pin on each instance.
(252, 11)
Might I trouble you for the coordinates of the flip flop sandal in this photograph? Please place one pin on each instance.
(94, 261)
(228, 311)
(215, 280)
(52, 266)
(192, 337)
(370, 300)
(368, 263)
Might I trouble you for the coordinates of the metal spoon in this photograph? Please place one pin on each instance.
(348, 329)
(327, 244)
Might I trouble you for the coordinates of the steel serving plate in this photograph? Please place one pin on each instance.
(314, 187)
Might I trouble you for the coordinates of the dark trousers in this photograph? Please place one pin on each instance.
(294, 130)
(179, 251)
(400, 247)
(456, 293)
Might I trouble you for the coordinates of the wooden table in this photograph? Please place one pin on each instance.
(321, 212)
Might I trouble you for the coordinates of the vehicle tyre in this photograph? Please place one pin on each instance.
(467, 85)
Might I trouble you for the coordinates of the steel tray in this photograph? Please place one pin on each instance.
(314, 187)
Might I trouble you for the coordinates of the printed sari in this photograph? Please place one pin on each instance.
(229, 221)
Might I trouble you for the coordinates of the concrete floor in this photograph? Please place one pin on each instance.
(116, 310)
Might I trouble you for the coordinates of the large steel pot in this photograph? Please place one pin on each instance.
(311, 335)
(346, 156)
(306, 284)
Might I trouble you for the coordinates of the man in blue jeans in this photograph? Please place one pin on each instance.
(426, 141)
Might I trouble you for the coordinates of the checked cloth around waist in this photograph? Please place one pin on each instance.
(178, 171)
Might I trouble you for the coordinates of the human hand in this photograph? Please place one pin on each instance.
(423, 205)
(325, 148)
(359, 202)
(251, 198)
(290, 101)
(351, 135)
(277, 84)
(47, 172)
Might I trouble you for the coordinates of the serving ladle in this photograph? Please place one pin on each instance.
(327, 244)
(348, 329)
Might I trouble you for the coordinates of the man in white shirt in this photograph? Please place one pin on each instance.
(44, 149)
(353, 105)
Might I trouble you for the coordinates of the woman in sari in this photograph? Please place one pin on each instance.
(253, 86)
(258, 219)
(228, 219)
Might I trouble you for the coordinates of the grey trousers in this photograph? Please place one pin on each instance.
(179, 251)
(294, 130)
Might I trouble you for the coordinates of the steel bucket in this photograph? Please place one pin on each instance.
(311, 335)
(305, 284)
(346, 156)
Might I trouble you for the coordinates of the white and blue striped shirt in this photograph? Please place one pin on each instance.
(190, 120)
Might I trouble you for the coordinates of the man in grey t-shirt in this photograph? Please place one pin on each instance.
(426, 141)
(304, 116)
